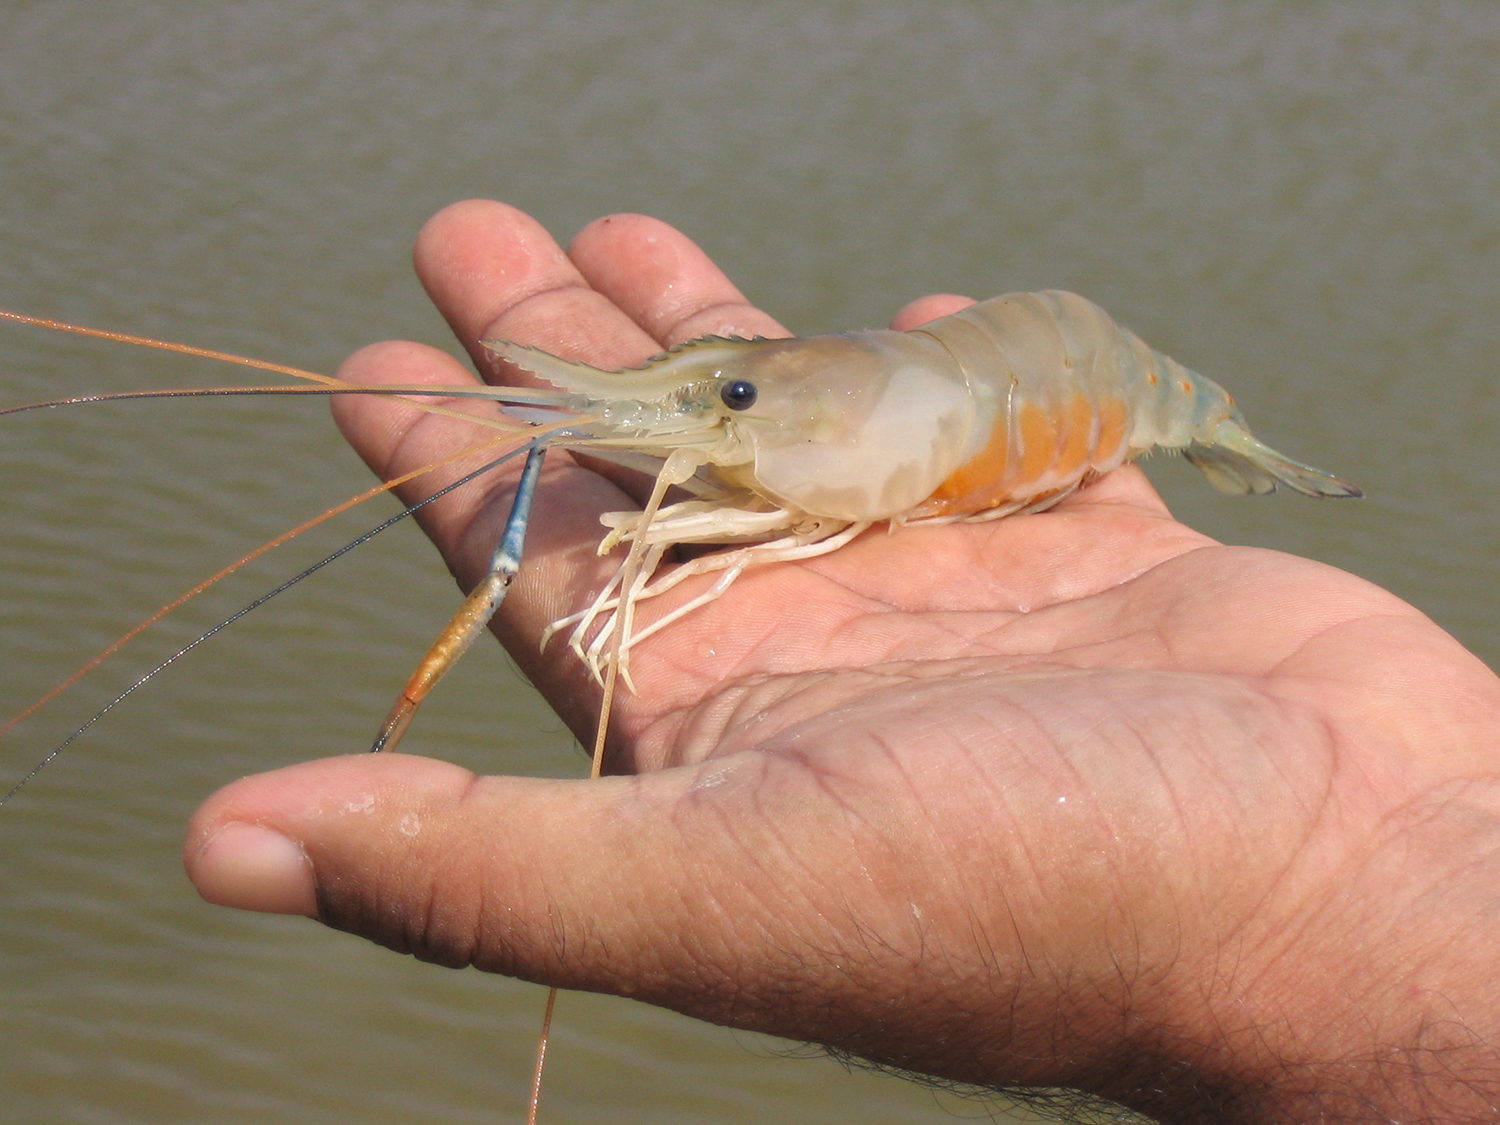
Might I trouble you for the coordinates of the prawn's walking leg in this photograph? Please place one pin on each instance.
(474, 615)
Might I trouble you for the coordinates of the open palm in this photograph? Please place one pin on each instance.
(1079, 798)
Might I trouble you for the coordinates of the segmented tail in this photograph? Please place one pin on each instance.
(1238, 463)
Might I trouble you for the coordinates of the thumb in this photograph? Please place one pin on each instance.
(635, 885)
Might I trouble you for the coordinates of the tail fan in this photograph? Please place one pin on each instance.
(1237, 463)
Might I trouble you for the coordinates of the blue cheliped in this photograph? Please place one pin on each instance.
(473, 617)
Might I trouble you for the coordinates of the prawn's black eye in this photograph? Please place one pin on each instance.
(738, 394)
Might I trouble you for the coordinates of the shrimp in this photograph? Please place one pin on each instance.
(792, 447)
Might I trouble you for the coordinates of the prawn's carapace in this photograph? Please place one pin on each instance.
(794, 446)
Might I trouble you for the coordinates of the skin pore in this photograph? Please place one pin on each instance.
(1074, 799)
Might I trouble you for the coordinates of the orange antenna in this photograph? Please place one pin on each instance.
(330, 385)
(167, 346)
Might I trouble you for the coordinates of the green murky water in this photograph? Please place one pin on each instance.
(1301, 200)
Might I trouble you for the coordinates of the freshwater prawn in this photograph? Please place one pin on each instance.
(796, 446)
(786, 449)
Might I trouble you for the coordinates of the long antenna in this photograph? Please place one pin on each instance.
(330, 385)
(167, 346)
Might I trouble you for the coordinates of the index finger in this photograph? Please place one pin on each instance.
(494, 271)
(664, 281)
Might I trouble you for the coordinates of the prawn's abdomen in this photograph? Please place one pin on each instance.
(1050, 407)
(1063, 393)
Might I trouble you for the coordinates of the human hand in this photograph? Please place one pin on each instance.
(1079, 798)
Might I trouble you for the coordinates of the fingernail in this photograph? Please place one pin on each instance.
(255, 868)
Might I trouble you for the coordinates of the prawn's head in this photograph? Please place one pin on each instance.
(856, 426)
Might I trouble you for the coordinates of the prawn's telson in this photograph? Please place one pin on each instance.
(795, 446)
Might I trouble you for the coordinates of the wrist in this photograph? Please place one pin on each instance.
(1365, 994)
